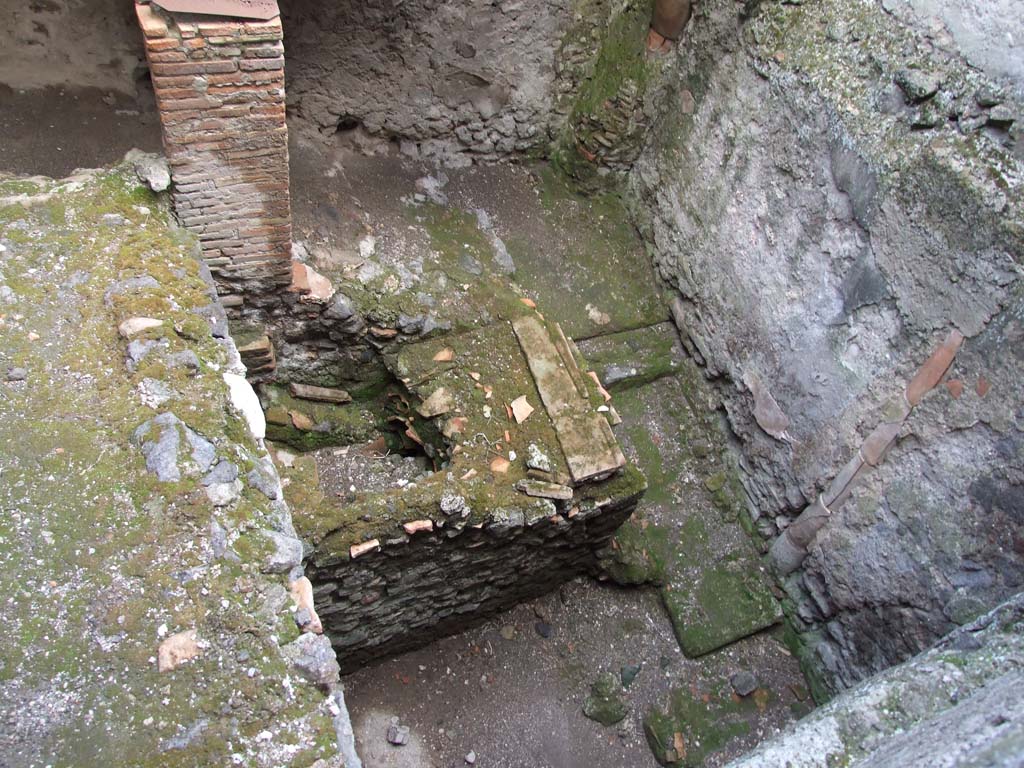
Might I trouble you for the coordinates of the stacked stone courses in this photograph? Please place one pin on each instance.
(219, 86)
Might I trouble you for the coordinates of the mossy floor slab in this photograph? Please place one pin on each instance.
(695, 723)
(687, 536)
(633, 358)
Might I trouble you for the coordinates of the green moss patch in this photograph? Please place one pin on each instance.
(693, 725)
(100, 560)
(307, 425)
(633, 358)
(729, 601)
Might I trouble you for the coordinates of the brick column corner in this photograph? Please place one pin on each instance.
(219, 84)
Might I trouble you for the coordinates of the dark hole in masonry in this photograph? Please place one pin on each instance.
(347, 123)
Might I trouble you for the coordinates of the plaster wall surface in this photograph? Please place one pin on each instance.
(824, 225)
(70, 42)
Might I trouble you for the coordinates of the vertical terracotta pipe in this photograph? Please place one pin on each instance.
(669, 18)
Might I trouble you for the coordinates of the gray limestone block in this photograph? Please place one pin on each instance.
(224, 472)
(286, 554)
(313, 657)
(264, 479)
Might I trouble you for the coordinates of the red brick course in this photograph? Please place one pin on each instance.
(220, 91)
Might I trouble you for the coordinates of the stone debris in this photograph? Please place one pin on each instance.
(605, 703)
(628, 673)
(541, 490)
(537, 459)
(186, 359)
(312, 656)
(319, 394)
(286, 552)
(263, 477)
(133, 326)
(918, 85)
(17, 374)
(224, 494)
(452, 504)
(153, 393)
(397, 734)
(521, 409)
(151, 170)
(186, 736)
(744, 683)
(177, 649)
(160, 440)
(131, 285)
(439, 402)
(302, 594)
(470, 758)
(138, 349)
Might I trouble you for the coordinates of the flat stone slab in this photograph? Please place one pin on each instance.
(319, 394)
(729, 601)
(590, 448)
(686, 535)
(261, 10)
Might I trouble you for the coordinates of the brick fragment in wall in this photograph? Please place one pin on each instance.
(219, 87)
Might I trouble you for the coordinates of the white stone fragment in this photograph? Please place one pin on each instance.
(244, 399)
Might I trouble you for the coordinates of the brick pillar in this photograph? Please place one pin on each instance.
(219, 83)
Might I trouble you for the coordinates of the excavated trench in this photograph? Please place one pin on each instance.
(633, 608)
(521, 408)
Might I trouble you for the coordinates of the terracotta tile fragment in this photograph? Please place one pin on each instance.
(930, 374)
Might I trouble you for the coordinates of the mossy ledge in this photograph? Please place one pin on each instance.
(103, 561)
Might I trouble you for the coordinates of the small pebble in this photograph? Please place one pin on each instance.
(744, 683)
(470, 758)
(628, 674)
(398, 734)
(544, 629)
(17, 374)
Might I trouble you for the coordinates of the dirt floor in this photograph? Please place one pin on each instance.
(515, 698)
(53, 131)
